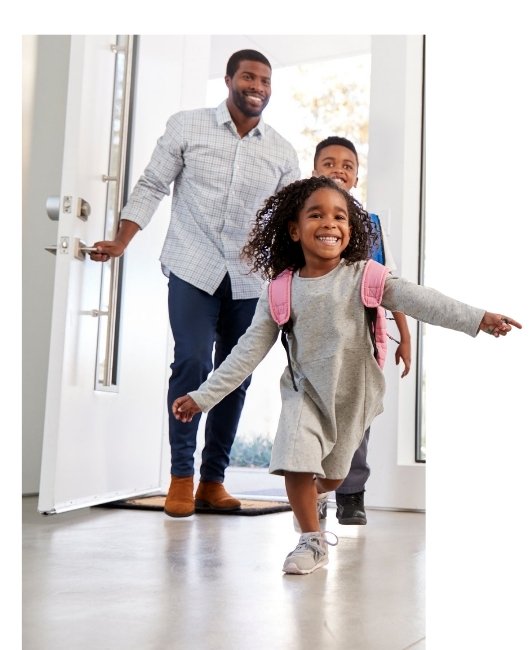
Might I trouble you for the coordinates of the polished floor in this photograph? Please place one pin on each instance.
(96, 579)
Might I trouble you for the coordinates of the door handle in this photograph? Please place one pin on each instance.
(80, 249)
(62, 247)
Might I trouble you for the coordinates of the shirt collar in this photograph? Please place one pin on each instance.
(223, 117)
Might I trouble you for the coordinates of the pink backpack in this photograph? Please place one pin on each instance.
(372, 288)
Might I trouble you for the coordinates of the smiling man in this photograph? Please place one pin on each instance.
(249, 91)
(223, 164)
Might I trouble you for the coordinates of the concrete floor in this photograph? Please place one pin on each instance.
(96, 579)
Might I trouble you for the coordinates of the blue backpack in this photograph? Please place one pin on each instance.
(378, 252)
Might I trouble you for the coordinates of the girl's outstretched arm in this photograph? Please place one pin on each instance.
(431, 306)
(184, 408)
(497, 325)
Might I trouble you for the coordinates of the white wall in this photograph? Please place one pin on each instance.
(45, 80)
(394, 159)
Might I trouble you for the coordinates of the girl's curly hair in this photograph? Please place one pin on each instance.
(270, 249)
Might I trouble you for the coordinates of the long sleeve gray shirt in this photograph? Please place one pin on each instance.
(340, 385)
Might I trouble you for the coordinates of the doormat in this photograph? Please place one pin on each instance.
(249, 507)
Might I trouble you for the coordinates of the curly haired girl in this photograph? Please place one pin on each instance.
(271, 249)
(318, 230)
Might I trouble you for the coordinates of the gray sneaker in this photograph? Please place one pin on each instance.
(310, 554)
(322, 510)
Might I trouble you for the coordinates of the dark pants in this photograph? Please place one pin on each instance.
(359, 469)
(198, 320)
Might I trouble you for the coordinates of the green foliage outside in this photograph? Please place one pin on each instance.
(251, 453)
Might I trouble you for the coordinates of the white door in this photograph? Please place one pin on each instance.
(105, 423)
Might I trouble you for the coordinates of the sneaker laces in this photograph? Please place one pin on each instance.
(322, 502)
(357, 498)
(315, 541)
(327, 541)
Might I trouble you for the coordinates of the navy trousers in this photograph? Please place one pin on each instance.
(198, 321)
(359, 469)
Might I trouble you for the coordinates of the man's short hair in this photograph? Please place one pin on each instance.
(335, 140)
(244, 55)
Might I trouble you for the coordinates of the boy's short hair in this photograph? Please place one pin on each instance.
(244, 55)
(335, 140)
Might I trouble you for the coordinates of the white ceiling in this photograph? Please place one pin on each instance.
(285, 50)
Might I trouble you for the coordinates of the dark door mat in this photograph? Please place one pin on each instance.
(249, 507)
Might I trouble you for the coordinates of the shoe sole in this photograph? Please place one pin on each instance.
(292, 569)
(352, 521)
(178, 516)
(204, 506)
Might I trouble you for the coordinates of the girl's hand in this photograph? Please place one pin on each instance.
(497, 325)
(403, 352)
(184, 408)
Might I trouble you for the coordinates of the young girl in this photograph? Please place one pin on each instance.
(321, 232)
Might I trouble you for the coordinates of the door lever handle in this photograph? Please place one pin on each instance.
(62, 247)
(81, 249)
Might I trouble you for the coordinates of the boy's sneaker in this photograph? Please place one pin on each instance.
(350, 508)
(310, 554)
(322, 510)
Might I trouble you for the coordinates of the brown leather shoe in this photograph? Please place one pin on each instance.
(213, 496)
(179, 500)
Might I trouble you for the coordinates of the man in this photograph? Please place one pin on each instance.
(224, 163)
(336, 157)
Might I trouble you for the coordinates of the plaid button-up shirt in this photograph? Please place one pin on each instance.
(219, 182)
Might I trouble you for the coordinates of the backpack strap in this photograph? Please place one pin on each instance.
(280, 297)
(372, 288)
(280, 307)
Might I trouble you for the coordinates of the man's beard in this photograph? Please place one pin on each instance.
(245, 107)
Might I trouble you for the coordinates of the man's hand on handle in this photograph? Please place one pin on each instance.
(106, 250)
